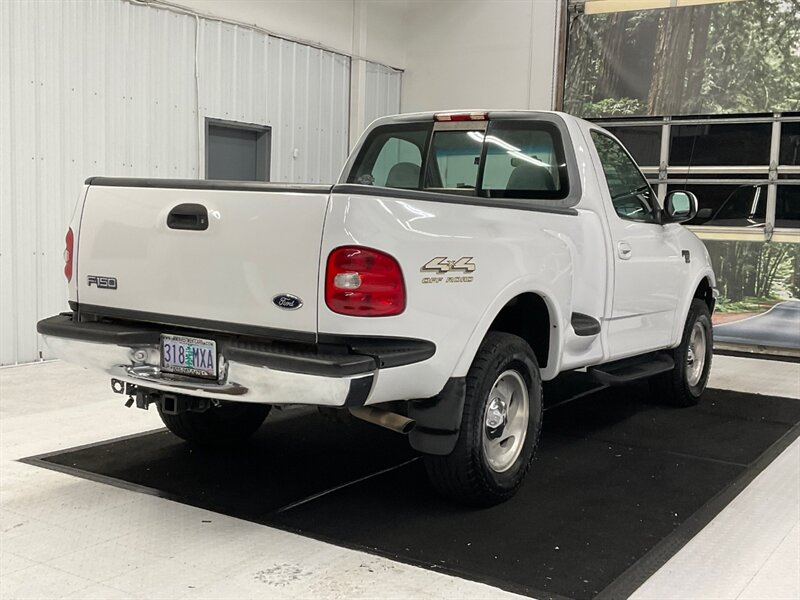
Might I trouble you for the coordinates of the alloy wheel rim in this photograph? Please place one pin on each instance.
(505, 421)
(696, 355)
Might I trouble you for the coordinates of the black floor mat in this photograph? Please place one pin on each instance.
(618, 486)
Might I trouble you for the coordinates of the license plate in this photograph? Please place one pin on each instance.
(188, 356)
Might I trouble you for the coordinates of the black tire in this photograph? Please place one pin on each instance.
(228, 424)
(674, 387)
(465, 474)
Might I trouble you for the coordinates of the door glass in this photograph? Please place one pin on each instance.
(631, 195)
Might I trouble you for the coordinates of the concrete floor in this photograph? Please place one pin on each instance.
(67, 537)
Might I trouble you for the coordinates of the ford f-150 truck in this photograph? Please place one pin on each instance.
(461, 259)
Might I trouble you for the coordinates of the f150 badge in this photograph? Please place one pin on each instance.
(442, 265)
(102, 282)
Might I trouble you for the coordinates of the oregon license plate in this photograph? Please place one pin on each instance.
(188, 356)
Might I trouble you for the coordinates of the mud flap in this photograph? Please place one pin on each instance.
(438, 419)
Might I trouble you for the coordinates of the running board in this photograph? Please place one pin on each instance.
(632, 369)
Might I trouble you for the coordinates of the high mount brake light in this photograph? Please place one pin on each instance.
(68, 254)
(467, 116)
(364, 282)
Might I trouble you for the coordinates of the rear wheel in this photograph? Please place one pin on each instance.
(683, 385)
(499, 427)
(227, 424)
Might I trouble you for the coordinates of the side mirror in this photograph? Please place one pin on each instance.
(680, 206)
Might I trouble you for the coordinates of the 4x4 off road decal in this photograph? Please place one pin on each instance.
(442, 264)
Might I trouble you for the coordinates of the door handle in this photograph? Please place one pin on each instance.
(192, 217)
(624, 250)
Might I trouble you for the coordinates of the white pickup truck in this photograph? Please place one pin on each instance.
(461, 259)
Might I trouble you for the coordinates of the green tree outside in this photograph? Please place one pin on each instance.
(738, 57)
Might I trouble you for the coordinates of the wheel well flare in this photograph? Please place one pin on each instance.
(527, 316)
(704, 293)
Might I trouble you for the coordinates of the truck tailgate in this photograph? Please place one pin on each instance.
(253, 247)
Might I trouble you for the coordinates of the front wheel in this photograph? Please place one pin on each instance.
(683, 385)
(227, 424)
(500, 425)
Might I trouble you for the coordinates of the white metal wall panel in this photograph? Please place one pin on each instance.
(106, 87)
(382, 92)
(91, 87)
(302, 93)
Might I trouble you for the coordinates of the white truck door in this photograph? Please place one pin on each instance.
(647, 259)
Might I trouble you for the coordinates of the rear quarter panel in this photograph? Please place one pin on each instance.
(514, 251)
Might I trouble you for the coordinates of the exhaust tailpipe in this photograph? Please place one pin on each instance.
(384, 418)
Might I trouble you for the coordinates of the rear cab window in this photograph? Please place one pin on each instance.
(508, 161)
(392, 157)
(453, 160)
(525, 160)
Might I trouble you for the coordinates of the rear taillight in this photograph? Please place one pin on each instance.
(364, 282)
(68, 253)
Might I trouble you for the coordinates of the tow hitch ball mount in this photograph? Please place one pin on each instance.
(171, 404)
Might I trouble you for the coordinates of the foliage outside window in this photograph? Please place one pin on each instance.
(739, 57)
(753, 276)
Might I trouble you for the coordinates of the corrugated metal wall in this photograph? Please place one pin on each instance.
(88, 88)
(382, 92)
(108, 87)
(301, 92)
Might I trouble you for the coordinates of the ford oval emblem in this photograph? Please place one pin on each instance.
(287, 302)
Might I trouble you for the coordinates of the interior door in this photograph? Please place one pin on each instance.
(237, 151)
(647, 258)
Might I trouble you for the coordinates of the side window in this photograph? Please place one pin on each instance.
(454, 160)
(391, 157)
(631, 195)
(524, 159)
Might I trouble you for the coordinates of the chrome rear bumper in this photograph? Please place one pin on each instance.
(238, 381)
(334, 371)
